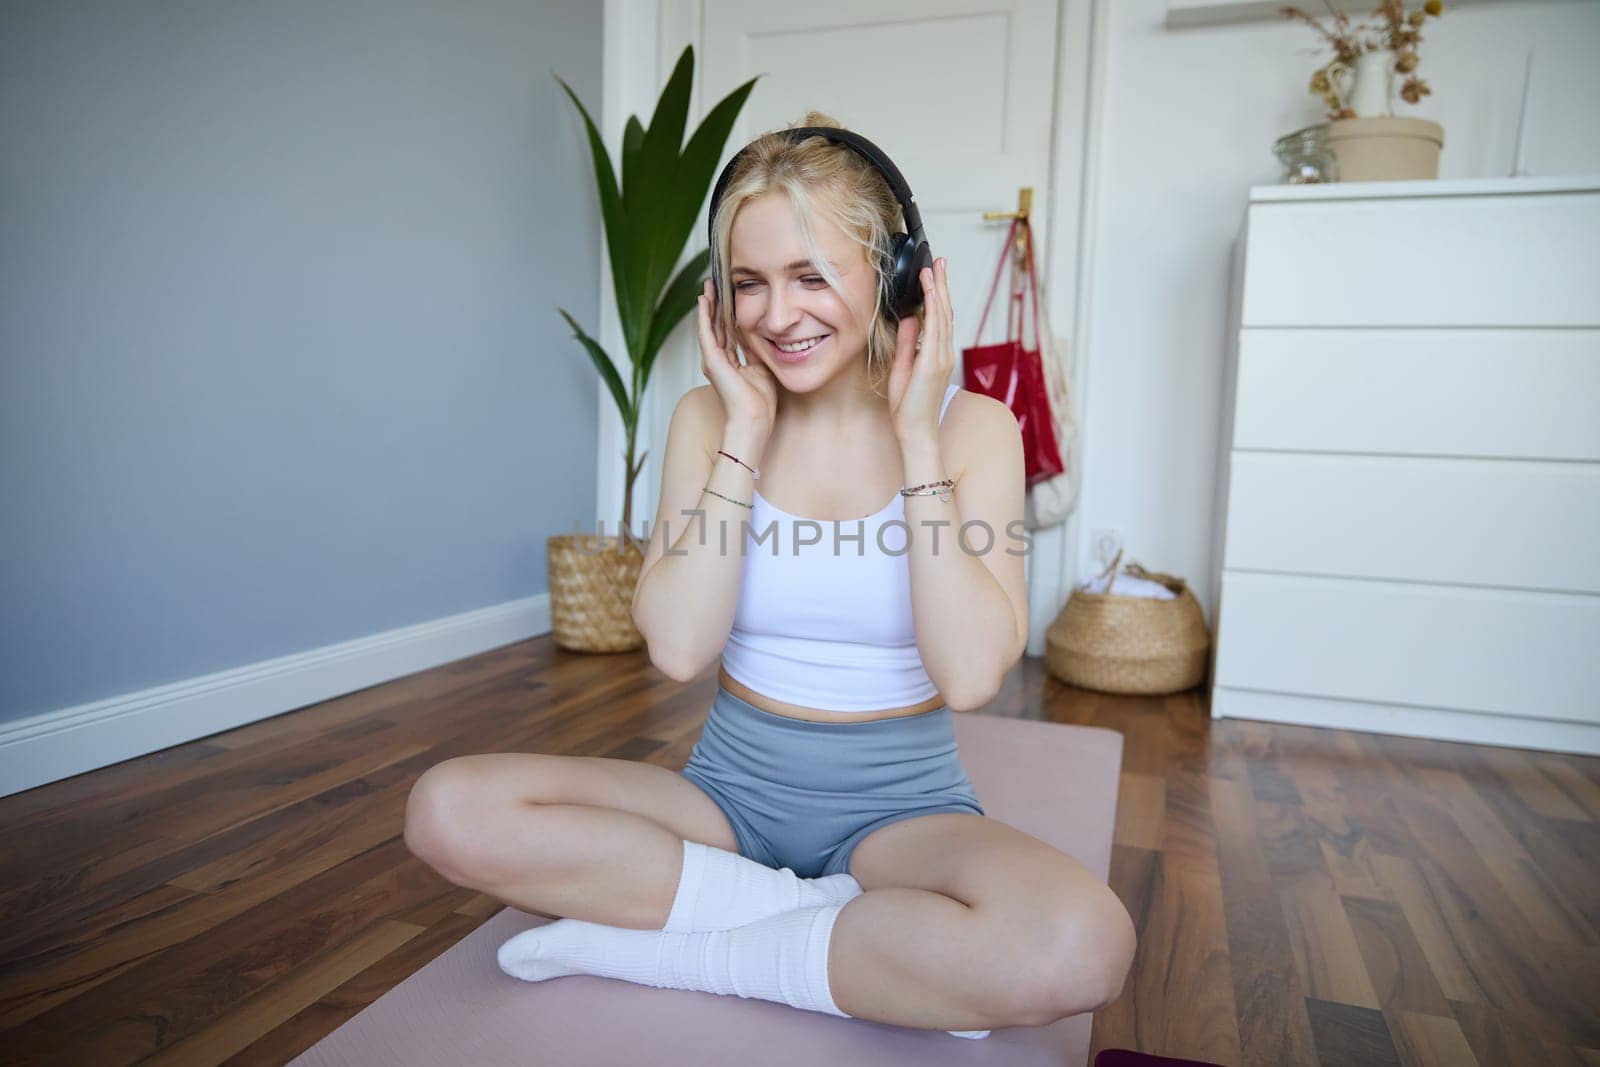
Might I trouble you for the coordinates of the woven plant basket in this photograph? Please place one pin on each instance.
(592, 580)
(1113, 643)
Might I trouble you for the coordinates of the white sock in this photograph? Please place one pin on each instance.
(719, 890)
(782, 958)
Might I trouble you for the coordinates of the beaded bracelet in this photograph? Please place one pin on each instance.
(730, 499)
(740, 462)
(941, 488)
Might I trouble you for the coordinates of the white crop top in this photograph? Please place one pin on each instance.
(827, 627)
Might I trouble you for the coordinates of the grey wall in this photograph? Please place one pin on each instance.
(280, 364)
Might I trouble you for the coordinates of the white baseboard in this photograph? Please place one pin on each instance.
(59, 744)
(1439, 724)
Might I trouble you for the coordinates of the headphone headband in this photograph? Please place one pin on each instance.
(861, 146)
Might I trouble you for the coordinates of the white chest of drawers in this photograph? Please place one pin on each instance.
(1408, 514)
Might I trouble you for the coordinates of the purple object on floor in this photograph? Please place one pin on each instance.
(1056, 782)
(1121, 1057)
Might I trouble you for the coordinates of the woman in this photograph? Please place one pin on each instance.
(823, 847)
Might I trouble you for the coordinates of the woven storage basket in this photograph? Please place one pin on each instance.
(592, 580)
(1128, 644)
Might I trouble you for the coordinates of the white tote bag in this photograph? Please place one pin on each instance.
(1050, 502)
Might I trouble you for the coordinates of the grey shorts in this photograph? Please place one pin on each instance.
(803, 794)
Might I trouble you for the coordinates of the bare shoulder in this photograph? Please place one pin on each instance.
(705, 400)
(701, 411)
(975, 427)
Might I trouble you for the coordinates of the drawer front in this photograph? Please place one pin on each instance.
(1509, 260)
(1528, 525)
(1446, 392)
(1507, 652)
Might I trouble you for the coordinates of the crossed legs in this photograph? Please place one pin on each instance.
(964, 922)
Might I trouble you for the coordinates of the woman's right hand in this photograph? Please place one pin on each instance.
(749, 392)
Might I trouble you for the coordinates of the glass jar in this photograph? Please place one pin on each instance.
(1306, 157)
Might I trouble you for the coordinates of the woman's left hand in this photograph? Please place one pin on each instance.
(924, 358)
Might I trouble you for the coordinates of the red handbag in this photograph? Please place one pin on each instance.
(1011, 372)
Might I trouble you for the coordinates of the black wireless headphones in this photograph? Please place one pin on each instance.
(908, 253)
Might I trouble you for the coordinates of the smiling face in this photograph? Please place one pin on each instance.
(780, 297)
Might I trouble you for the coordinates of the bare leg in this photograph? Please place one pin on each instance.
(914, 958)
(600, 865)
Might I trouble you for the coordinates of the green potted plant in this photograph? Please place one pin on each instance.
(647, 221)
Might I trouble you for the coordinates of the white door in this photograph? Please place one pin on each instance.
(959, 93)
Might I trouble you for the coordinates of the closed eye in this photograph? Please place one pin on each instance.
(810, 279)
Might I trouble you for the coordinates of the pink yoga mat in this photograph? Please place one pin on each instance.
(1056, 782)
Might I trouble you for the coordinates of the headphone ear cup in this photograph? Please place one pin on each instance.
(905, 261)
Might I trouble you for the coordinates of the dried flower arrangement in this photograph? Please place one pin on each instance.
(1399, 32)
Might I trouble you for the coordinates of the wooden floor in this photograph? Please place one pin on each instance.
(1302, 896)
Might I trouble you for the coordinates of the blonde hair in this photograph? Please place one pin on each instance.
(818, 175)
